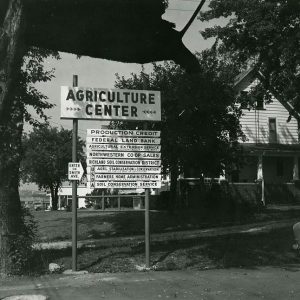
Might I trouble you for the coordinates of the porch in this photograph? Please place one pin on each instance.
(273, 169)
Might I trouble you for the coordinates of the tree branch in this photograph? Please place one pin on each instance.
(189, 23)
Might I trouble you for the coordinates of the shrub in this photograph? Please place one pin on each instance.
(21, 247)
(220, 205)
(163, 201)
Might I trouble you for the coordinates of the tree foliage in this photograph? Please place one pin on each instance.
(32, 72)
(47, 154)
(22, 95)
(200, 123)
(265, 34)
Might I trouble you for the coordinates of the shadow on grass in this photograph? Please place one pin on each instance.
(54, 226)
(234, 250)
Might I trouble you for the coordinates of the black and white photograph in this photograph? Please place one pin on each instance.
(149, 149)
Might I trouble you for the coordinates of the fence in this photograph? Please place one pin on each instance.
(191, 195)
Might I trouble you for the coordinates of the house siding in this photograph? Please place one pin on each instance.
(255, 124)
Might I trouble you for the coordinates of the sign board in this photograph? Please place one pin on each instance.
(122, 140)
(124, 184)
(124, 162)
(123, 159)
(102, 154)
(125, 133)
(75, 171)
(110, 104)
(123, 147)
(123, 177)
(123, 170)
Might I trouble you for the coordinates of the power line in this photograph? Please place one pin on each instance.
(180, 9)
(198, 1)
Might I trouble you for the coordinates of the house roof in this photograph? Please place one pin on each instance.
(245, 76)
(243, 80)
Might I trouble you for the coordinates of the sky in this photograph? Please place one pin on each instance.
(100, 73)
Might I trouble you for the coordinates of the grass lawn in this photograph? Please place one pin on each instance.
(94, 224)
(232, 250)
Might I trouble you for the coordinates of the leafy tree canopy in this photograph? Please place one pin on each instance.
(13, 232)
(266, 35)
(47, 152)
(33, 71)
(200, 126)
(25, 95)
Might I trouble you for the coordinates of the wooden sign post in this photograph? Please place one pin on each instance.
(74, 188)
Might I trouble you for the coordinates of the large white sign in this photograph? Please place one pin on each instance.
(124, 184)
(123, 158)
(122, 140)
(110, 104)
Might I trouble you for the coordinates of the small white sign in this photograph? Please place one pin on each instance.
(123, 147)
(122, 140)
(137, 155)
(113, 132)
(123, 170)
(75, 171)
(110, 104)
(124, 162)
(124, 184)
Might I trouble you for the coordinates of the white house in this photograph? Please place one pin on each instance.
(272, 146)
(65, 196)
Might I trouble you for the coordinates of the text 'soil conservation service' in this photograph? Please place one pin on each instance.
(123, 159)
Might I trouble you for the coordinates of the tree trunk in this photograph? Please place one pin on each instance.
(10, 206)
(55, 202)
(54, 196)
(11, 125)
(173, 187)
(10, 210)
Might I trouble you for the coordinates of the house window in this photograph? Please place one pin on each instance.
(244, 102)
(272, 130)
(260, 104)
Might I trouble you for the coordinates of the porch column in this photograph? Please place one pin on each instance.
(260, 168)
(59, 202)
(260, 177)
(295, 168)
